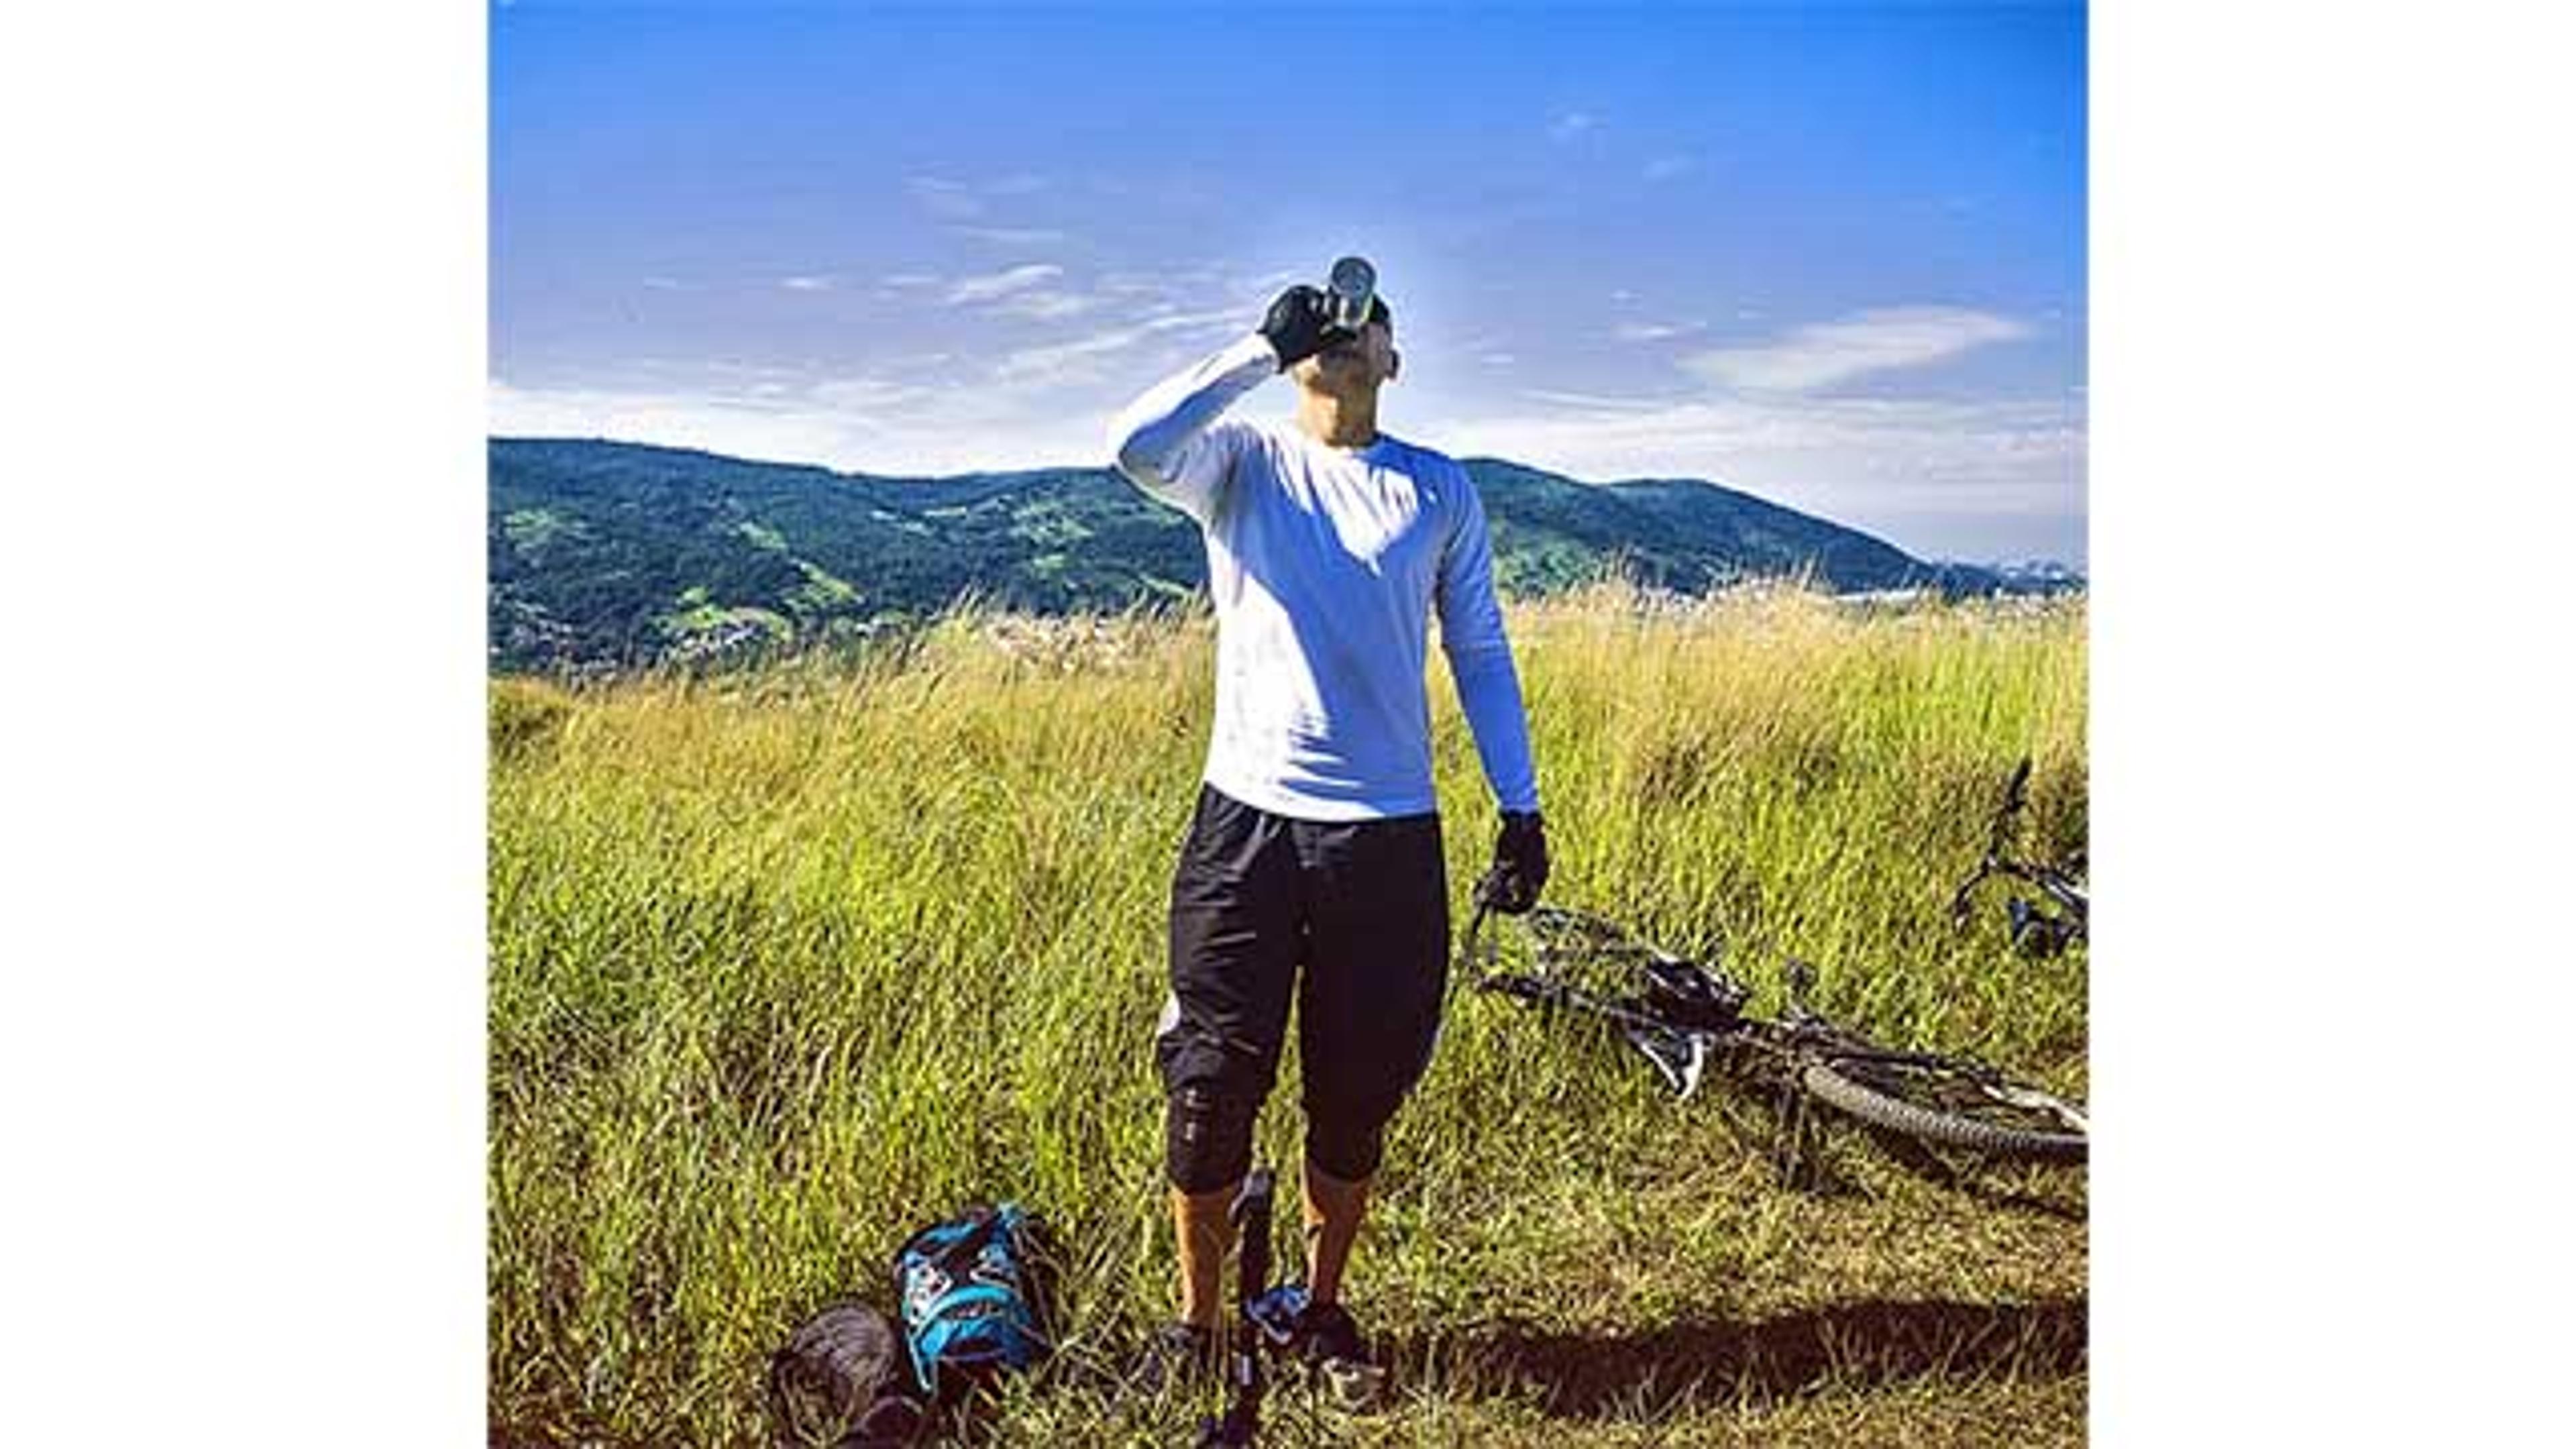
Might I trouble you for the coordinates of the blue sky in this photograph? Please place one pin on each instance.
(1830, 254)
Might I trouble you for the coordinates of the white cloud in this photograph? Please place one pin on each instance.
(1665, 168)
(861, 423)
(1843, 458)
(1934, 475)
(865, 394)
(1594, 401)
(1654, 331)
(807, 284)
(1043, 306)
(1186, 322)
(742, 424)
(1879, 340)
(1018, 236)
(1258, 290)
(1066, 361)
(949, 199)
(908, 280)
(1002, 284)
(1569, 124)
(723, 366)
(943, 198)
(1062, 363)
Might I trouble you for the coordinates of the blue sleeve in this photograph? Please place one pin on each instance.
(1480, 656)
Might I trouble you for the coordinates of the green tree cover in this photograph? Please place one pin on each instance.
(608, 555)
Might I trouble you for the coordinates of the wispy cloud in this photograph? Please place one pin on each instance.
(1011, 236)
(806, 284)
(943, 198)
(1043, 306)
(1002, 284)
(1185, 323)
(865, 423)
(1654, 331)
(1665, 168)
(1566, 125)
(1879, 340)
(1066, 360)
(865, 394)
(1845, 458)
(1594, 402)
(1956, 470)
(1073, 361)
(950, 199)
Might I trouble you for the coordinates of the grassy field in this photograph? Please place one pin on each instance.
(785, 963)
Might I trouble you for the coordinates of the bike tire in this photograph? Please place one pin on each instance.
(1931, 1124)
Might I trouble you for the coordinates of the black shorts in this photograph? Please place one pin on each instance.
(1352, 919)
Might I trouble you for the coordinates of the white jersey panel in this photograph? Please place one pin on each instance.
(1326, 566)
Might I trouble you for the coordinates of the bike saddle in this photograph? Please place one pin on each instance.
(1687, 996)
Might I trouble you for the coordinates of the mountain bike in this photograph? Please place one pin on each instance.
(1686, 1017)
(2037, 929)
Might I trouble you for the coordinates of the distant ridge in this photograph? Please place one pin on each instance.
(602, 555)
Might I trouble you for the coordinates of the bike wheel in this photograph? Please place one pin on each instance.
(1951, 1106)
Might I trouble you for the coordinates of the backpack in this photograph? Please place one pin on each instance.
(968, 1310)
(839, 1381)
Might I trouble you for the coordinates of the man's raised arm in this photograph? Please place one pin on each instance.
(1166, 442)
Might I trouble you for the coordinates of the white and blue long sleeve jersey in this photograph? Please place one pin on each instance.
(1325, 565)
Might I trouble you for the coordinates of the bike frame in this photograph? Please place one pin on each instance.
(2068, 894)
(1801, 1032)
(1799, 1037)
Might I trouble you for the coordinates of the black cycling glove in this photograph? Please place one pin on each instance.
(1520, 864)
(1298, 325)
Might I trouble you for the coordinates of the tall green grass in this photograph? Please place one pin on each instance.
(785, 963)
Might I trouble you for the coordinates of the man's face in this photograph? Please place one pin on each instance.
(1355, 367)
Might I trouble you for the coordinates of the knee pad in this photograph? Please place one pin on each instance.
(1207, 1137)
(1346, 1143)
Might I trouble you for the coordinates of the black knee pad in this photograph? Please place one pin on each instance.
(1207, 1137)
(1346, 1142)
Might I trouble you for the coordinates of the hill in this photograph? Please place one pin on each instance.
(603, 555)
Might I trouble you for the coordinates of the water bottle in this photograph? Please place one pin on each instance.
(1349, 291)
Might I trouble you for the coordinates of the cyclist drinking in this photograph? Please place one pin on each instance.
(1312, 866)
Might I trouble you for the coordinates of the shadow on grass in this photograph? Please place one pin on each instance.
(1803, 1144)
(1863, 1345)
(1993, 1186)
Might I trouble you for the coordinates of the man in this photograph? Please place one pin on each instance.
(1313, 862)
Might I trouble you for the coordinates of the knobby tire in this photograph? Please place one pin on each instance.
(1951, 1129)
